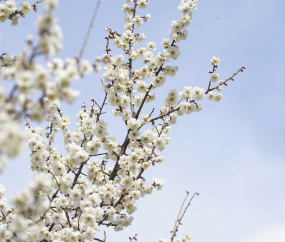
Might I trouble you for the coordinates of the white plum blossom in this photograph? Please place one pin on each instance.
(94, 178)
(215, 61)
(214, 77)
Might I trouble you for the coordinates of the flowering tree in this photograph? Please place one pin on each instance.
(99, 180)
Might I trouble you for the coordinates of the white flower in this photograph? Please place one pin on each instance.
(218, 97)
(144, 118)
(147, 17)
(10, 7)
(50, 4)
(126, 8)
(19, 224)
(215, 61)
(2, 191)
(153, 63)
(133, 124)
(214, 96)
(187, 107)
(186, 93)
(131, 208)
(137, 20)
(165, 42)
(89, 233)
(197, 93)
(183, 6)
(46, 20)
(25, 80)
(171, 98)
(214, 77)
(186, 237)
(42, 180)
(178, 240)
(151, 46)
(85, 67)
(192, 4)
(174, 52)
(176, 26)
(147, 55)
(184, 18)
(141, 51)
(52, 106)
(62, 201)
(25, 7)
(127, 182)
(3, 205)
(142, 3)
(141, 86)
(141, 37)
(3, 14)
(134, 134)
(158, 183)
(126, 114)
(119, 60)
(81, 156)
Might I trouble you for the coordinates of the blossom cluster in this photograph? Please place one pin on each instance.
(31, 79)
(9, 10)
(96, 180)
(7, 60)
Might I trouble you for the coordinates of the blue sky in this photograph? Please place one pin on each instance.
(232, 152)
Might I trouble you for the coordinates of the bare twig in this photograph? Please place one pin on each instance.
(89, 30)
(175, 224)
(178, 221)
(101, 108)
(134, 238)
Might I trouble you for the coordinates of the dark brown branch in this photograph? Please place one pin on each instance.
(123, 150)
(78, 173)
(146, 94)
(99, 154)
(67, 217)
(101, 108)
(139, 175)
(50, 228)
(106, 215)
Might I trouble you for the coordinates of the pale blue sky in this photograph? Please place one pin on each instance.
(232, 152)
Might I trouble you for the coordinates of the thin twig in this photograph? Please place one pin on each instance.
(134, 238)
(175, 224)
(67, 217)
(230, 78)
(178, 222)
(89, 30)
(78, 173)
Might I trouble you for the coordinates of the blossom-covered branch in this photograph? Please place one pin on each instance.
(97, 180)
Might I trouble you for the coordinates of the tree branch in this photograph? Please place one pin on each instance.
(89, 30)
